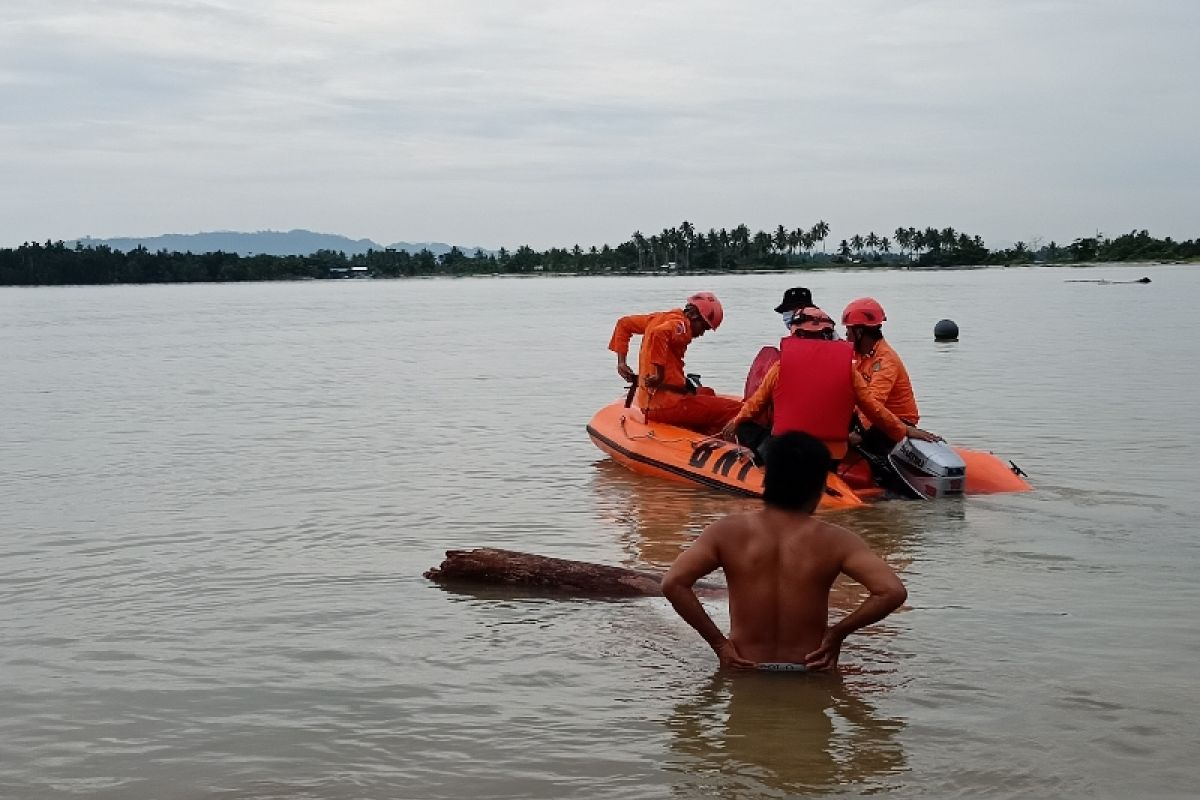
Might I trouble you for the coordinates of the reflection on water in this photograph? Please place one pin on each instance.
(743, 733)
(895, 528)
(657, 519)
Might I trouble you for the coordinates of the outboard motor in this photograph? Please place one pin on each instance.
(931, 469)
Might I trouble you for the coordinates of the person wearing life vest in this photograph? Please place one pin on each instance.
(663, 392)
(882, 369)
(794, 299)
(814, 388)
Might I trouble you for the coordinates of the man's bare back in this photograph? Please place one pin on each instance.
(780, 564)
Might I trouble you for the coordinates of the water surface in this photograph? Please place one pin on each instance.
(219, 500)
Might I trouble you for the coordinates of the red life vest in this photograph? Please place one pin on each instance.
(815, 390)
(766, 358)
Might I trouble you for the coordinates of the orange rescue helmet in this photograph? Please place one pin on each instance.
(708, 307)
(811, 318)
(864, 311)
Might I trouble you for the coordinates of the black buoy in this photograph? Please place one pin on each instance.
(945, 331)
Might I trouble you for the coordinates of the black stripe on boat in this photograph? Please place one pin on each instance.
(705, 480)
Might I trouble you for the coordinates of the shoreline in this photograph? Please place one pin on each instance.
(831, 268)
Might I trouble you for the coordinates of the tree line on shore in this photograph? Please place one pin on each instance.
(680, 248)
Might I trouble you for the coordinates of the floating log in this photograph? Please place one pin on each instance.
(508, 567)
(1103, 281)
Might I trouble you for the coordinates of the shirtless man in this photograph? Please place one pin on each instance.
(780, 563)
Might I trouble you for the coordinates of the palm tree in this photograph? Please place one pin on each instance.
(639, 242)
(780, 239)
(762, 243)
(872, 240)
(687, 233)
(807, 243)
(885, 244)
(949, 238)
(902, 239)
(713, 242)
(933, 240)
(843, 249)
(819, 232)
(856, 241)
(740, 239)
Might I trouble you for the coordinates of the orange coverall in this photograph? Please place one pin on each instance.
(874, 410)
(888, 380)
(665, 337)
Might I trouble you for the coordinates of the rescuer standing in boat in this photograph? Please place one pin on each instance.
(881, 369)
(663, 392)
(814, 388)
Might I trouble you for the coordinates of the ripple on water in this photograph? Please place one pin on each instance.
(210, 585)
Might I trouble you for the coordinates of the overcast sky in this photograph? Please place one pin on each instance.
(502, 122)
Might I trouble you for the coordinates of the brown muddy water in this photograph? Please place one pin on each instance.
(218, 500)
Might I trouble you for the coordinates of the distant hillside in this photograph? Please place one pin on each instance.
(437, 248)
(275, 243)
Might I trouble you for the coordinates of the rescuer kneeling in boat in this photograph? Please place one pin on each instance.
(663, 392)
(780, 563)
(883, 371)
(794, 299)
(814, 388)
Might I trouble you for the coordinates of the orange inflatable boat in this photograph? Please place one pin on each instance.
(678, 454)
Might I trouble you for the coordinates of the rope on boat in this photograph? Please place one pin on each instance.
(649, 434)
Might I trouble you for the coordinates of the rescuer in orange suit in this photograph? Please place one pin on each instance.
(663, 391)
(883, 371)
(814, 388)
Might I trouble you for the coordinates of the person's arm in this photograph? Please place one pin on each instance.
(692, 565)
(756, 403)
(624, 330)
(887, 593)
(623, 368)
(895, 428)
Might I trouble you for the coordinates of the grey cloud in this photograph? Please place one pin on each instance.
(490, 120)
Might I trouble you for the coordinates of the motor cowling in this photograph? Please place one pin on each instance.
(931, 469)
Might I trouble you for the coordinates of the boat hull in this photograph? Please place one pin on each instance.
(677, 454)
